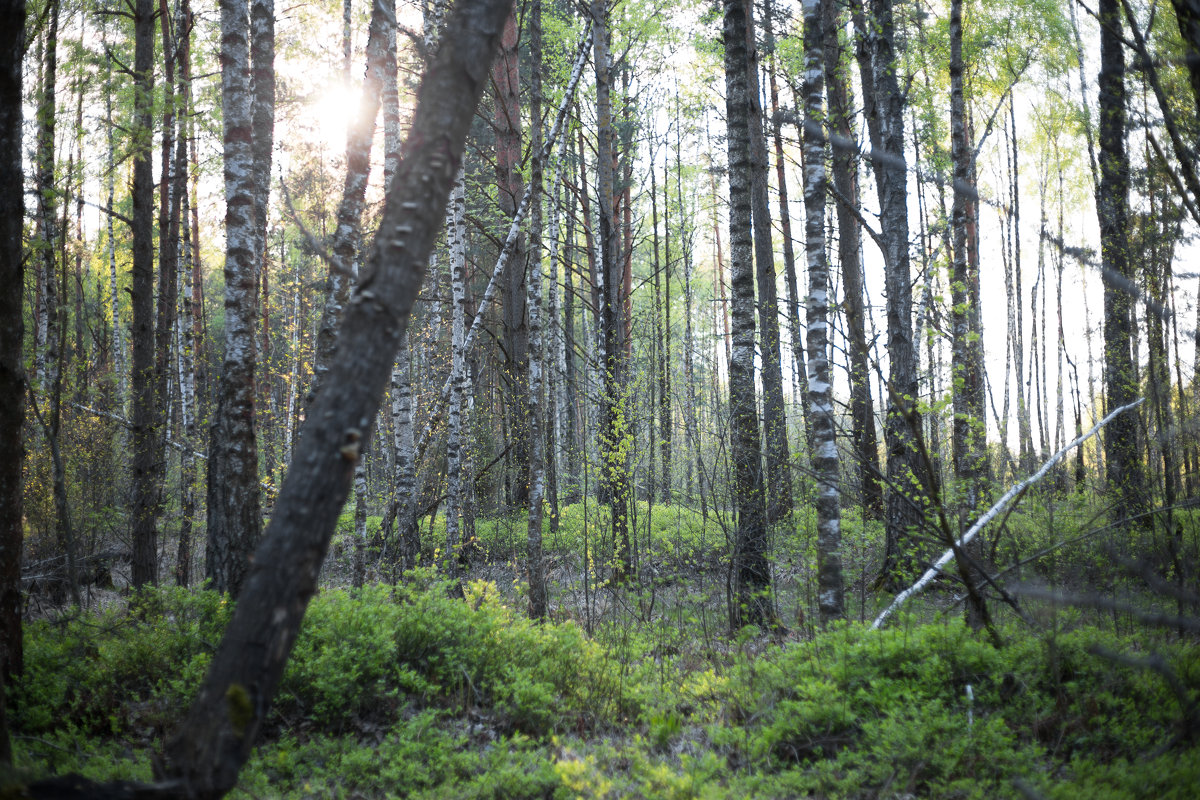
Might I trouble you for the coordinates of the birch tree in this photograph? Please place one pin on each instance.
(830, 591)
(234, 517)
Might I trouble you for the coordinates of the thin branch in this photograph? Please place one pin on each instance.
(1009, 496)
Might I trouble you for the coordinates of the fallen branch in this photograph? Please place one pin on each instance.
(1001, 504)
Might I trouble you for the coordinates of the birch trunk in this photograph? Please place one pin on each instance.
(460, 383)
(234, 521)
(830, 590)
(535, 419)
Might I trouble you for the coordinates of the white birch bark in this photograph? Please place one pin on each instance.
(830, 592)
(460, 383)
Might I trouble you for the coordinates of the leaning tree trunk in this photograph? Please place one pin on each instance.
(750, 603)
(220, 729)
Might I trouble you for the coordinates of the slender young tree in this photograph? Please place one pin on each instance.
(511, 186)
(47, 228)
(615, 430)
(969, 424)
(751, 602)
(535, 419)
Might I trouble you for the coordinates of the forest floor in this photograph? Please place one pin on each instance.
(641, 690)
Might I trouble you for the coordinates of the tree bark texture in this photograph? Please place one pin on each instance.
(507, 119)
(750, 603)
(902, 425)
(830, 590)
(1124, 472)
(779, 467)
(217, 735)
(615, 430)
(234, 519)
(969, 424)
(347, 236)
(146, 454)
(12, 338)
(845, 180)
(535, 417)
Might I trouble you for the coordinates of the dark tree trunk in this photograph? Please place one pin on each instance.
(902, 425)
(12, 339)
(845, 181)
(750, 601)
(616, 414)
(1124, 471)
(1187, 14)
(969, 425)
(220, 730)
(147, 488)
(779, 467)
(506, 79)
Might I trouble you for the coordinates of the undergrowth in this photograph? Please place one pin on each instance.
(407, 691)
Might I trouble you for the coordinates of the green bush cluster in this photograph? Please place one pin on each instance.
(890, 708)
(375, 650)
(410, 691)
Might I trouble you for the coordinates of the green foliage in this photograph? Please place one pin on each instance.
(408, 691)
